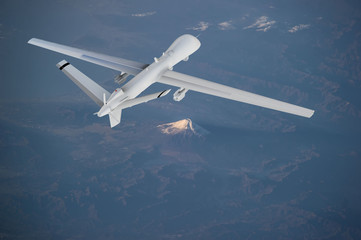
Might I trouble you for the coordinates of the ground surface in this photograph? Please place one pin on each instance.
(204, 168)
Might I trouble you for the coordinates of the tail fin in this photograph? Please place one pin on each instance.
(115, 117)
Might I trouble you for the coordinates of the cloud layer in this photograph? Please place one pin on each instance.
(299, 27)
(227, 25)
(146, 14)
(261, 24)
(201, 26)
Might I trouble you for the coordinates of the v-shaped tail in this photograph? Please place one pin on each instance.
(115, 117)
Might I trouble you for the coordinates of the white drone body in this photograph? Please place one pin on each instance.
(161, 70)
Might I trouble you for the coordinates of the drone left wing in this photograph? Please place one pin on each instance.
(119, 64)
(200, 85)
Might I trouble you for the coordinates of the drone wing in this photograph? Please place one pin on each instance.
(119, 64)
(200, 85)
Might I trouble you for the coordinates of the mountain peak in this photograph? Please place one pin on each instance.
(184, 126)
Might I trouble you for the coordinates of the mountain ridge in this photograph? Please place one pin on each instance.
(184, 127)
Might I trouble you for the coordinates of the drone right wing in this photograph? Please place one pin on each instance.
(200, 85)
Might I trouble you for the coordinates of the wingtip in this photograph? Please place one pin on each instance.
(312, 112)
(35, 41)
(31, 41)
(309, 114)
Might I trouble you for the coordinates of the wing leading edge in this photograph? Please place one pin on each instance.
(200, 85)
(119, 64)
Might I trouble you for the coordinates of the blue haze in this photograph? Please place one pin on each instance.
(245, 173)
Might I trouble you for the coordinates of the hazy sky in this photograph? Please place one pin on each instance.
(247, 172)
